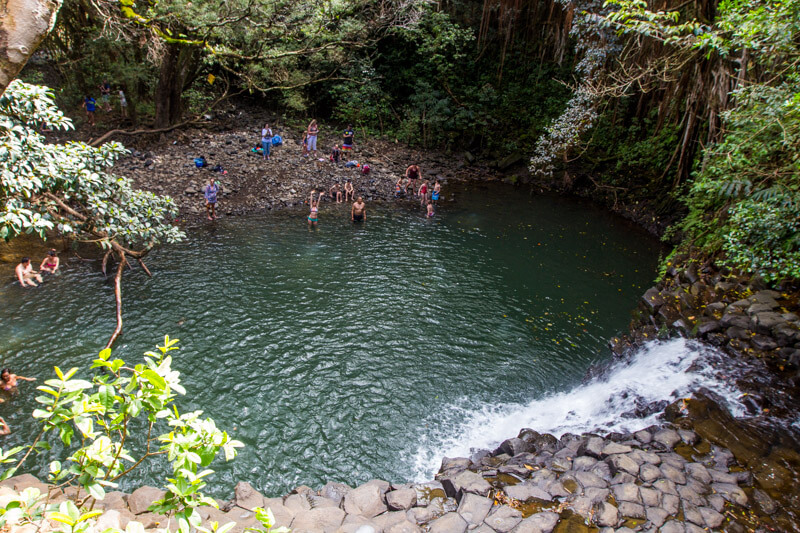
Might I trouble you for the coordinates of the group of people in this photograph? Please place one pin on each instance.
(428, 196)
(90, 104)
(358, 211)
(28, 277)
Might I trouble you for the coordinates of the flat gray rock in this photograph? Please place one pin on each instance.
(606, 515)
(670, 503)
(335, 491)
(588, 479)
(297, 502)
(613, 448)
(627, 492)
(667, 438)
(622, 463)
(593, 447)
(698, 472)
(688, 495)
(283, 516)
(403, 527)
(596, 495)
(711, 517)
(449, 523)
(649, 473)
(673, 526)
(542, 522)
(718, 476)
(503, 519)
(692, 514)
(632, 510)
(656, 515)
(583, 463)
(650, 497)
(473, 509)
(673, 474)
(643, 436)
(666, 486)
(526, 491)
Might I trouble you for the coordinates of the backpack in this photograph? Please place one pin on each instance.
(277, 140)
(365, 169)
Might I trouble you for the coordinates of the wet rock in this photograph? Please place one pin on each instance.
(401, 500)
(464, 482)
(689, 495)
(673, 526)
(403, 527)
(763, 343)
(720, 476)
(688, 437)
(767, 504)
(615, 448)
(643, 436)
(730, 492)
(711, 518)
(596, 495)
(666, 486)
(297, 503)
(473, 509)
(698, 472)
(390, 519)
(692, 514)
(716, 502)
(283, 515)
(503, 519)
(606, 515)
(650, 497)
(561, 464)
(622, 477)
(557, 489)
(739, 321)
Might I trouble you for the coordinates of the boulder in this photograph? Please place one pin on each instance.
(622, 463)
(283, 515)
(452, 466)
(325, 519)
(366, 500)
(142, 498)
(473, 509)
(606, 515)
(656, 516)
(335, 491)
(503, 519)
(449, 523)
(464, 482)
(632, 510)
(593, 447)
(246, 496)
(526, 491)
(673, 474)
(401, 500)
(588, 479)
(297, 503)
(712, 518)
(514, 446)
(732, 493)
(539, 522)
(668, 438)
(649, 473)
(627, 492)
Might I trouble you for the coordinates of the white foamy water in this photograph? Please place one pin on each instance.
(658, 371)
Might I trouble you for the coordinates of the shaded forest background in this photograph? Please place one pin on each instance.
(688, 108)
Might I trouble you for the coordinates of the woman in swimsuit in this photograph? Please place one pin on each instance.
(313, 216)
(50, 263)
(8, 381)
(312, 132)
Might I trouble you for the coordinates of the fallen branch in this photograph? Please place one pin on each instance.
(118, 297)
(144, 267)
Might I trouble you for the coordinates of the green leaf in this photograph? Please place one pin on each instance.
(154, 379)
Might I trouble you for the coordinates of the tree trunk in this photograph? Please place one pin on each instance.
(23, 26)
(176, 75)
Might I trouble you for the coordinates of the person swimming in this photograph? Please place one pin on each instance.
(51, 262)
(430, 209)
(8, 381)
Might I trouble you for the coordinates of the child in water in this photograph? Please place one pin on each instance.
(430, 208)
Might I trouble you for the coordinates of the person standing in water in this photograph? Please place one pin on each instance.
(313, 215)
(430, 209)
(51, 262)
(359, 211)
(423, 193)
(437, 190)
(26, 274)
(210, 193)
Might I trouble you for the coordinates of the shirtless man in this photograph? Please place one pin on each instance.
(26, 274)
(336, 193)
(349, 191)
(359, 211)
(413, 173)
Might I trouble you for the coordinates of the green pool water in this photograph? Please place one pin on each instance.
(338, 353)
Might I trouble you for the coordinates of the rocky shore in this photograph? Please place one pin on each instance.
(662, 478)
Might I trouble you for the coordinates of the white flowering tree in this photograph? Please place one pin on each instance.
(67, 189)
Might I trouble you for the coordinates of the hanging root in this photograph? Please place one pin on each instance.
(118, 297)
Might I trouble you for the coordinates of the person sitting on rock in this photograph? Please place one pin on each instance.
(336, 193)
(349, 191)
(26, 274)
